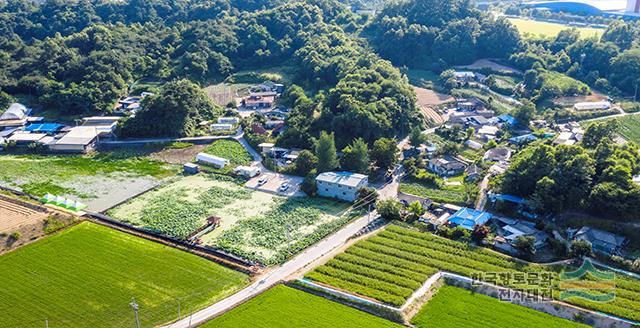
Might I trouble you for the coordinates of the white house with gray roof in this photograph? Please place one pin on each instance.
(341, 185)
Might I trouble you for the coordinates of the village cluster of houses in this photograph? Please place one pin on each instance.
(507, 230)
(19, 129)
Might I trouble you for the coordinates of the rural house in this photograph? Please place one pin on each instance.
(341, 185)
(447, 166)
(259, 100)
(468, 218)
(499, 154)
(601, 241)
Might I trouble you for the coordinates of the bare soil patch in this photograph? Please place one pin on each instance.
(427, 99)
(178, 156)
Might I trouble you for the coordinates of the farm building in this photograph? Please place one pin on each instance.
(247, 171)
(16, 115)
(272, 86)
(212, 160)
(228, 120)
(473, 144)
(509, 230)
(447, 166)
(47, 128)
(221, 127)
(23, 138)
(601, 241)
(15, 112)
(341, 185)
(593, 105)
(259, 100)
(498, 154)
(191, 168)
(468, 218)
(467, 76)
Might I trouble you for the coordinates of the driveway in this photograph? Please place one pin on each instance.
(274, 181)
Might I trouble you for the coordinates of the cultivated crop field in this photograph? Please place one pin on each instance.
(389, 266)
(629, 127)
(454, 194)
(231, 150)
(255, 225)
(456, 307)
(283, 306)
(91, 179)
(85, 276)
(536, 28)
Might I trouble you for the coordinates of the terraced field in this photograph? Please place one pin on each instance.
(392, 264)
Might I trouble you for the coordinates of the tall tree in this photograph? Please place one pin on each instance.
(355, 157)
(326, 152)
(385, 152)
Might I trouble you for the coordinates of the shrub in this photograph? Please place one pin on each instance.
(52, 224)
(389, 209)
(580, 248)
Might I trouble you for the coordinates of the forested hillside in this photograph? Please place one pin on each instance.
(80, 56)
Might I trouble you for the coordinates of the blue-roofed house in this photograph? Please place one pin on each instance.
(523, 139)
(468, 218)
(48, 128)
(508, 119)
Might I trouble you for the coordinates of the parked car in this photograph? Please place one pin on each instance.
(284, 187)
(262, 181)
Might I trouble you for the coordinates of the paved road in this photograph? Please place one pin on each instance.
(310, 256)
(239, 134)
(482, 194)
(610, 116)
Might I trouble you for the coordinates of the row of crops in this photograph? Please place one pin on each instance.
(290, 225)
(390, 266)
(180, 210)
(231, 150)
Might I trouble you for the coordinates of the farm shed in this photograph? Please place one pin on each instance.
(247, 171)
(215, 161)
(593, 105)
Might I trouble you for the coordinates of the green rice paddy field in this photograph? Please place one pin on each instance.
(86, 276)
(283, 306)
(456, 307)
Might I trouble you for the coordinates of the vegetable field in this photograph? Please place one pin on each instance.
(283, 306)
(255, 225)
(85, 276)
(287, 227)
(180, 208)
(454, 194)
(629, 127)
(231, 150)
(367, 268)
(454, 307)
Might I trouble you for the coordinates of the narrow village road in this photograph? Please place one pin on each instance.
(321, 250)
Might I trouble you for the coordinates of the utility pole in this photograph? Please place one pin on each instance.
(135, 307)
(46, 323)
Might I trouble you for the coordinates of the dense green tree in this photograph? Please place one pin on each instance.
(599, 132)
(355, 157)
(389, 209)
(326, 153)
(384, 152)
(174, 112)
(305, 163)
